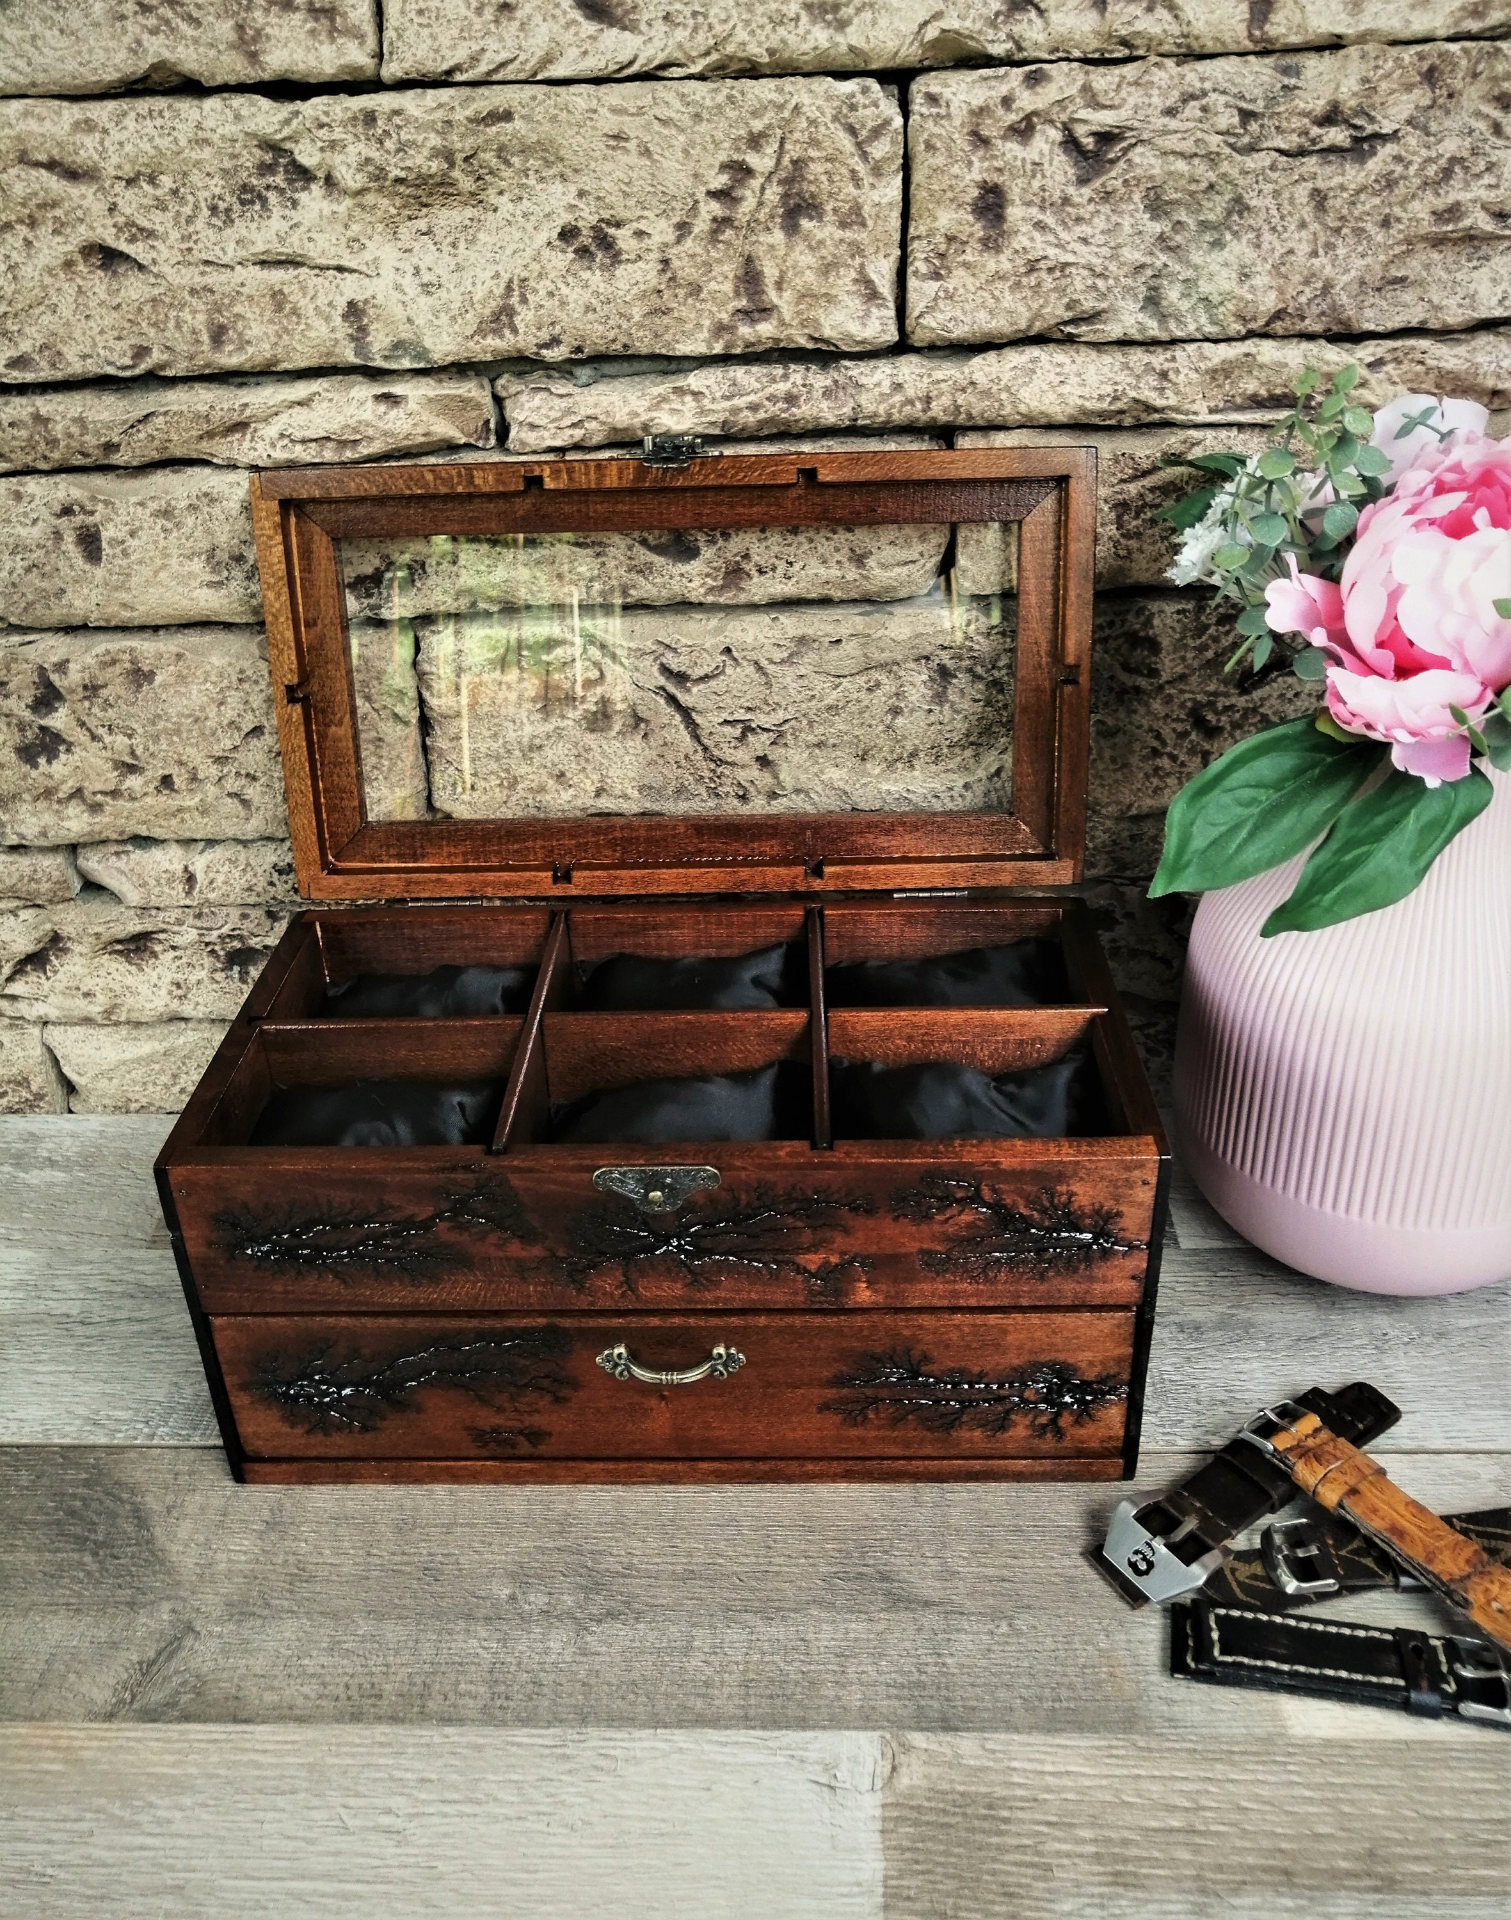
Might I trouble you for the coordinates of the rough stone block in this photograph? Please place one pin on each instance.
(160, 732)
(168, 547)
(190, 873)
(1350, 192)
(1133, 548)
(425, 227)
(92, 959)
(29, 1077)
(98, 46)
(610, 39)
(394, 775)
(405, 579)
(1050, 383)
(259, 421)
(1161, 710)
(133, 1069)
(37, 875)
(897, 705)
(1145, 944)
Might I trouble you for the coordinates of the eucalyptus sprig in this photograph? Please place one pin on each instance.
(1300, 499)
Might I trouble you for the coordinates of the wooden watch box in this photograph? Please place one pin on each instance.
(542, 721)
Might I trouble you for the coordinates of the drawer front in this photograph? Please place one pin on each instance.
(931, 1386)
(1014, 1224)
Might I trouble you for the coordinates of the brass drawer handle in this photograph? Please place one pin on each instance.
(721, 1363)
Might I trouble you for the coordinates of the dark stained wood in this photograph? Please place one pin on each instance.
(868, 1224)
(902, 930)
(525, 1112)
(331, 1053)
(995, 1039)
(672, 932)
(876, 1386)
(1078, 522)
(640, 1473)
(272, 535)
(587, 1052)
(665, 505)
(819, 1029)
(382, 941)
(1036, 672)
(325, 689)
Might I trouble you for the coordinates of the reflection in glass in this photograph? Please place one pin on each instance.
(797, 669)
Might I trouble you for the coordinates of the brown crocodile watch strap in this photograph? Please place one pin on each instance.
(1341, 1478)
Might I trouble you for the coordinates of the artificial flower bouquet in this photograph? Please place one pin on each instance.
(1376, 550)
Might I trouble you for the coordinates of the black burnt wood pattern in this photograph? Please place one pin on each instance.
(901, 1386)
(382, 1313)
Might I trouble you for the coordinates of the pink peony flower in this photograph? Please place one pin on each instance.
(1412, 630)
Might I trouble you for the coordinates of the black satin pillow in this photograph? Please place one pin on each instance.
(445, 993)
(944, 1101)
(381, 1113)
(627, 983)
(1029, 973)
(769, 1104)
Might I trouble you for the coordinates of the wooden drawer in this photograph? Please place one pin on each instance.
(1017, 1223)
(938, 1387)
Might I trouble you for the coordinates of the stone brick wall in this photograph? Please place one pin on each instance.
(238, 233)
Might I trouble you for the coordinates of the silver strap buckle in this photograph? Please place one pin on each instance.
(1299, 1558)
(1476, 1665)
(1146, 1562)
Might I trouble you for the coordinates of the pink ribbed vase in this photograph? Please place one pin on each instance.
(1343, 1098)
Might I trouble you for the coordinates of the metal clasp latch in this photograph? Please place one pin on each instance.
(656, 1189)
(1299, 1557)
(672, 449)
(1475, 1664)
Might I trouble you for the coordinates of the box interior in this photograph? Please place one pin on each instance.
(557, 1053)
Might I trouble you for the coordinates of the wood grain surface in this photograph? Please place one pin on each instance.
(723, 1700)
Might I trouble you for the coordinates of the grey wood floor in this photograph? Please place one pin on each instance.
(773, 1702)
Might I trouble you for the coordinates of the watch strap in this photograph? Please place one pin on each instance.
(1169, 1546)
(1432, 1675)
(1345, 1480)
(1321, 1555)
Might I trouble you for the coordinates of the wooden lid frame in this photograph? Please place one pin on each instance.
(339, 854)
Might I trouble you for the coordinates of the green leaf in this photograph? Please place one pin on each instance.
(1252, 621)
(1371, 461)
(1412, 421)
(1309, 664)
(1346, 379)
(1331, 407)
(1276, 464)
(1380, 847)
(1185, 512)
(1497, 731)
(1269, 528)
(1262, 803)
(1232, 554)
(1230, 464)
(1340, 520)
(1503, 608)
(1307, 383)
(1324, 722)
(1476, 738)
(1359, 422)
(1264, 646)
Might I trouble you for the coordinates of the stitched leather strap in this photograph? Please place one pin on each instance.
(1341, 1478)
(1423, 1673)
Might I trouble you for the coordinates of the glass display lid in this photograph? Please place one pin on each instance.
(805, 673)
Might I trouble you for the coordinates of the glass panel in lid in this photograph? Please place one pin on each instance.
(787, 669)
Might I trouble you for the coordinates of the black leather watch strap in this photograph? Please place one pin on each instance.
(1168, 1547)
(1427, 1674)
